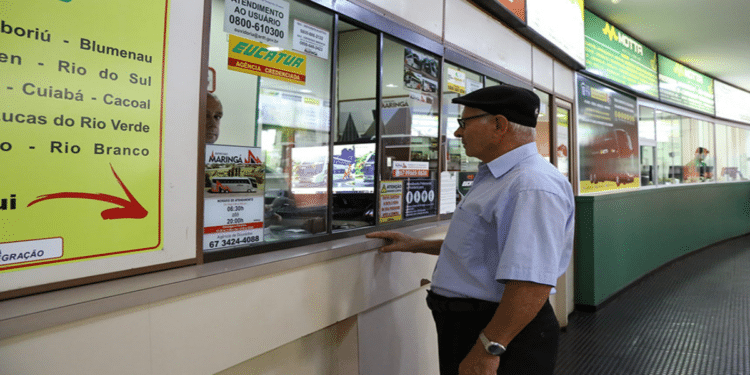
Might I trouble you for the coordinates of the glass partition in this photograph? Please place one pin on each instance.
(543, 134)
(267, 146)
(409, 126)
(563, 141)
(668, 148)
(456, 82)
(732, 163)
(697, 142)
(354, 150)
(647, 140)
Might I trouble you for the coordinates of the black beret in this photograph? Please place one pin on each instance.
(517, 104)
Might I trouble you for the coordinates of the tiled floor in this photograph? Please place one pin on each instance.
(691, 317)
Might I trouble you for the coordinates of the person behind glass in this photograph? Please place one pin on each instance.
(509, 240)
(214, 112)
(697, 169)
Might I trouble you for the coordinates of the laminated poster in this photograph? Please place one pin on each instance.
(81, 132)
(233, 197)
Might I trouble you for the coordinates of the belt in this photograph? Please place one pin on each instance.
(439, 303)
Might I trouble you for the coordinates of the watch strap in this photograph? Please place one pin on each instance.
(491, 347)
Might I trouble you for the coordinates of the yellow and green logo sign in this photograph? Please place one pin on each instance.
(248, 56)
(614, 55)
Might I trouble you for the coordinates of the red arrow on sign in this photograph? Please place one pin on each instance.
(129, 209)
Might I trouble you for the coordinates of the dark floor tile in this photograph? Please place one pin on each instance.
(691, 317)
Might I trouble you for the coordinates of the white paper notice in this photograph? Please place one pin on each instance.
(447, 192)
(310, 39)
(266, 21)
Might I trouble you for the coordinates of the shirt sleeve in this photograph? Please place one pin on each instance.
(536, 233)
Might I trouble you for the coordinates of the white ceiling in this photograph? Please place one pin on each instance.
(709, 36)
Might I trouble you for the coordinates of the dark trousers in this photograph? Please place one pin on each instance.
(459, 320)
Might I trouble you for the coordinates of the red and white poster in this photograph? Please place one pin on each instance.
(233, 197)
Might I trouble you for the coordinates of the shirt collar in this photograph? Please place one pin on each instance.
(504, 163)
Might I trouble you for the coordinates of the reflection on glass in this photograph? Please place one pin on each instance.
(646, 125)
(647, 165)
(647, 138)
(563, 143)
(354, 157)
(697, 156)
(267, 169)
(456, 82)
(733, 163)
(409, 126)
(543, 135)
(669, 148)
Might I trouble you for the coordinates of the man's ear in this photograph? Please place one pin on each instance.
(501, 123)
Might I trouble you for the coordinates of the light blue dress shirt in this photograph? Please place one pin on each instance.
(515, 223)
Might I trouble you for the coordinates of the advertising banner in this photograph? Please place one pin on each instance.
(293, 110)
(607, 138)
(517, 7)
(251, 57)
(310, 170)
(81, 130)
(465, 181)
(456, 81)
(420, 76)
(404, 169)
(614, 55)
(732, 103)
(561, 23)
(683, 86)
(354, 168)
(419, 198)
(391, 195)
(233, 198)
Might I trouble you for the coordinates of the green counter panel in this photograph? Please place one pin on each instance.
(622, 237)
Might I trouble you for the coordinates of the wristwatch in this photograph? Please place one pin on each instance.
(491, 347)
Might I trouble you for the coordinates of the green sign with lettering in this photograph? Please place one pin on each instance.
(614, 55)
(681, 85)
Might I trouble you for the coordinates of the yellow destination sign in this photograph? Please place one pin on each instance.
(80, 130)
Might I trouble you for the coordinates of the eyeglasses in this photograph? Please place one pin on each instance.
(462, 121)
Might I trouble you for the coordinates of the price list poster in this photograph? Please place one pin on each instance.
(82, 88)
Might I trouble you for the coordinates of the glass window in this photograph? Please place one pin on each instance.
(734, 166)
(668, 148)
(722, 153)
(697, 160)
(267, 151)
(456, 82)
(354, 150)
(563, 141)
(409, 123)
(543, 135)
(744, 153)
(647, 140)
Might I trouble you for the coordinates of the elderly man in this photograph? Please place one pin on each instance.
(214, 112)
(510, 238)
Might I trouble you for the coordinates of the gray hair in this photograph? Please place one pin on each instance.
(521, 133)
